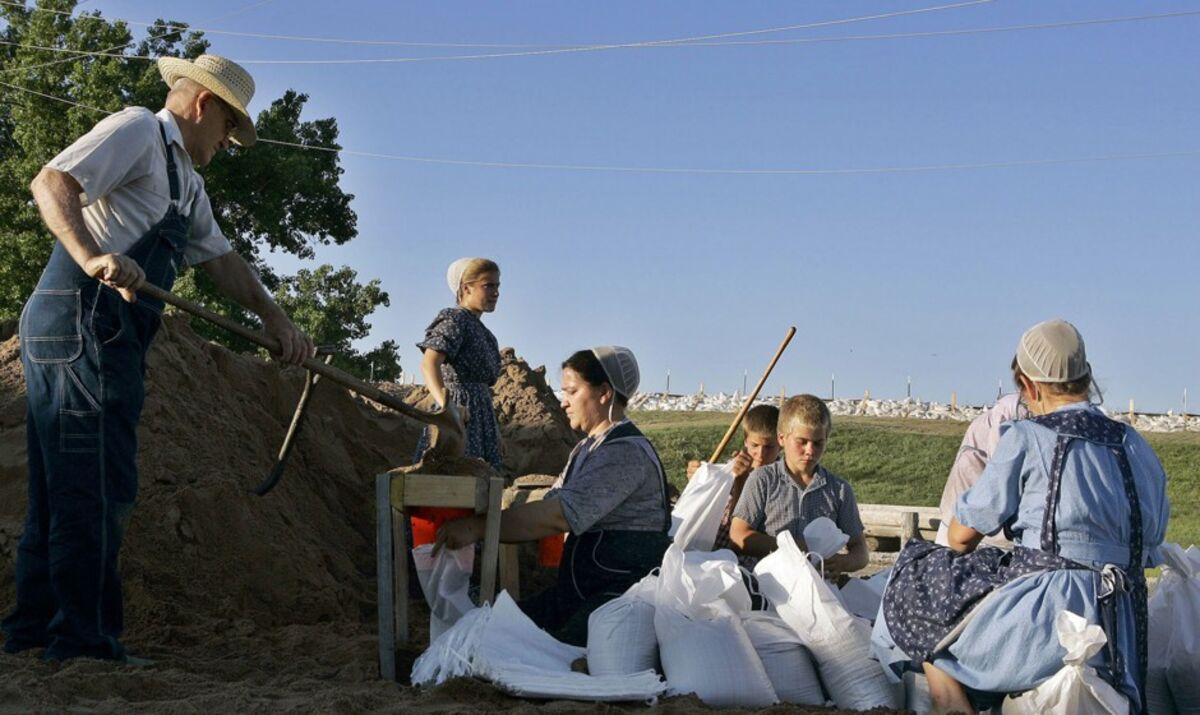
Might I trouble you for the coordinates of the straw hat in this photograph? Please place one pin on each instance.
(223, 78)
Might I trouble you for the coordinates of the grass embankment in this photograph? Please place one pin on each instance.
(901, 461)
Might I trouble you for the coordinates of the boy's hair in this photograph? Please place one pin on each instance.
(806, 411)
(761, 419)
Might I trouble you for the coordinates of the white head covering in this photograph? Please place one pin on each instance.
(1052, 351)
(454, 274)
(621, 368)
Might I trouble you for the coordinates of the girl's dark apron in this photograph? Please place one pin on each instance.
(599, 565)
(934, 588)
(83, 349)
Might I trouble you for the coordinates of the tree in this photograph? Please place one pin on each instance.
(271, 197)
(334, 305)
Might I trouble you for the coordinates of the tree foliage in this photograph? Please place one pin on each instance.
(267, 198)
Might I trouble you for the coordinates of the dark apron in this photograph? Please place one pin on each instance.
(83, 350)
(933, 588)
(599, 565)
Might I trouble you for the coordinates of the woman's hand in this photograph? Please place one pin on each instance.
(459, 533)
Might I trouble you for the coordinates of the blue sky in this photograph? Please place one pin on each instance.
(928, 274)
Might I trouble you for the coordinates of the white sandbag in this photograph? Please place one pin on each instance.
(698, 511)
(1076, 688)
(528, 683)
(712, 657)
(1174, 612)
(446, 581)
(823, 538)
(1159, 700)
(621, 636)
(916, 693)
(512, 639)
(702, 645)
(839, 642)
(787, 662)
(696, 581)
(450, 655)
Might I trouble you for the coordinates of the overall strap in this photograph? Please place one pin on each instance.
(627, 431)
(1071, 425)
(172, 174)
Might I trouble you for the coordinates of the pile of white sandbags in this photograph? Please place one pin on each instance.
(838, 641)
(909, 407)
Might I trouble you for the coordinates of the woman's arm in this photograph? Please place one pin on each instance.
(431, 370)
(524, 522)
(963, 539)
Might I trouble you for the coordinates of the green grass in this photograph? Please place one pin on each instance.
(900, 461)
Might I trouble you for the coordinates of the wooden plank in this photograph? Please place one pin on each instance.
(440, 490)
(510, 570)
(908, 528)
(400, 580)
(384, 562)
(491, 541)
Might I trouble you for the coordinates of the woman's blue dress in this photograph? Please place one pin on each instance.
(1007, 643)
(472, 366)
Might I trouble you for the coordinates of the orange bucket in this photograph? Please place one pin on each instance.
(426, 520)
(550, 550)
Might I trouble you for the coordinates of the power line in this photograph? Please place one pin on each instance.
(563, 49)
(171, 30)
(909, 169)
(559, 49)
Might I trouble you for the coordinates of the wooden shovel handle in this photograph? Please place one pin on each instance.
(367, 390)
(737, 421)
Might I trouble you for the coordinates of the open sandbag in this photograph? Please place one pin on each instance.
(839, 642)
(787, 662)
(702, 645)
(1077, 688)
(621, 637)
(697, 514)
(446, 581)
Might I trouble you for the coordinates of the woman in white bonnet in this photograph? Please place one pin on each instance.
(461, 362)
(1084, 498)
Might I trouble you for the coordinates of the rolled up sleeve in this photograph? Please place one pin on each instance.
(995, 499)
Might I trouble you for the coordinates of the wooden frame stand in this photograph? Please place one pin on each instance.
(394, 493)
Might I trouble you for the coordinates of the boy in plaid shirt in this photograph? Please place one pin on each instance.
(760, 447)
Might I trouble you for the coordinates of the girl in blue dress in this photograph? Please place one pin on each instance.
(461, 363)
(1083, 498)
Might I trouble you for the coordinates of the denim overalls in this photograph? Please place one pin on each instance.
(83, 349)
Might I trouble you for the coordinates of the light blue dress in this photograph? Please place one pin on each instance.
(1008, 642)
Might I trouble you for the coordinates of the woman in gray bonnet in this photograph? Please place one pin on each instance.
(1084, 498)
(611, 497)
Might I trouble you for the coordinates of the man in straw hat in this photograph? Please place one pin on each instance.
(127, 207)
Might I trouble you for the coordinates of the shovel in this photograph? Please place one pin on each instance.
(447, 436)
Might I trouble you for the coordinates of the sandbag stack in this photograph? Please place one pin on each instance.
(1173, 671)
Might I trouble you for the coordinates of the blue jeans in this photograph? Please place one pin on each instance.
(83, 366)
